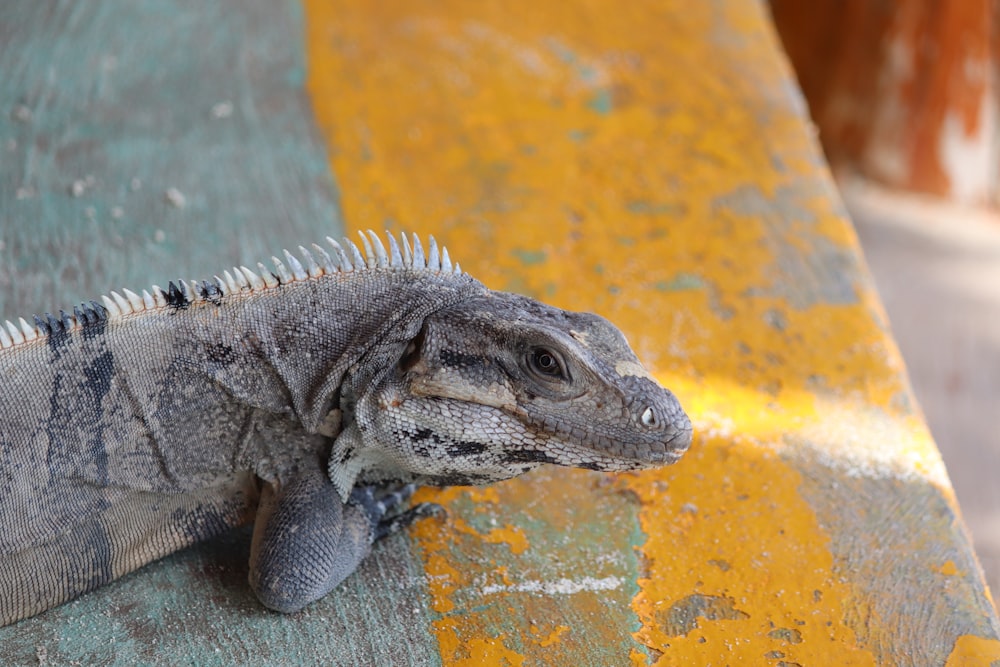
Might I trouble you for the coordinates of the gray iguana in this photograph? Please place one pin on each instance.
(300, 397)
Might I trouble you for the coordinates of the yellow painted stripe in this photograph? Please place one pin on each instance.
(649, 161)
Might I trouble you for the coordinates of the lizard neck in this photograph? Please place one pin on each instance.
(297, 344)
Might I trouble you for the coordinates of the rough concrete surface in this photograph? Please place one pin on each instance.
(937, 267)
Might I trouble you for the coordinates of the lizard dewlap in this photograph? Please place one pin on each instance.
(304, 397)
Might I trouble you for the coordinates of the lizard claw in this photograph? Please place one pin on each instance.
(395, 524)
(379, 508)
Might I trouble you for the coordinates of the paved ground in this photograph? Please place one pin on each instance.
(937, 268)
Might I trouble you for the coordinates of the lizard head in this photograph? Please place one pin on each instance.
(499, 384)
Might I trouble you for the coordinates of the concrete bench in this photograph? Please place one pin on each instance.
(651, 162)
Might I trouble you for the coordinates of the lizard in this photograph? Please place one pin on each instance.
(309, 398)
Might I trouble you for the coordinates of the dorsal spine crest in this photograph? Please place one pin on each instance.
(346, 257)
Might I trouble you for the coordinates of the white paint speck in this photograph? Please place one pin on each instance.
(176, 198)
(222, 110)
(557, 587)
(78, 187)
(159, 236)
(21, 113)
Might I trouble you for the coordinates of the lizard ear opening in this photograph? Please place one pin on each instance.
(411, 355)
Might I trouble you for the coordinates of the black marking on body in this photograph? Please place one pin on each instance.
(57, 331)
(220, 353)
(100, 375)
(95, 547)
(211, 292)
(528, 456)
(459, 359)
(422, 434)
(459, 479)
(94, 319)
(42, 324)
(74, 428)
(455, 448)
(55, 425)
(465, 448)
(174, 297)
(346, 455)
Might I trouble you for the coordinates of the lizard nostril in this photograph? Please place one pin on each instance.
(648, 417)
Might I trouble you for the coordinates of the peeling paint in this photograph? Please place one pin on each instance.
(684, 616)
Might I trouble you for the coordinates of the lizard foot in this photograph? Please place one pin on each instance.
(379, 504)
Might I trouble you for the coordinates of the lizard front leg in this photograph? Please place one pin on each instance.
(306, 540)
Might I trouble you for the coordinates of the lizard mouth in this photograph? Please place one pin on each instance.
(599, 452)
(632, 450)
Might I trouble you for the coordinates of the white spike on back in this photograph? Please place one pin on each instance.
(370, 260)
(283, 274)
(407, 253)
(156, 298)
(241, 279)
(395, 259)
(296, 267)
(134, 300)
(326, 262)
(356, 257)
(382, 259)
(220, 284)
(229, 282)
(28, 330)
(15, 333)
(345, 261)
(311, 266)
(433, 258)
(123, 305)
(109, 303)
(418, 254)
(267, 276)
(252, 278)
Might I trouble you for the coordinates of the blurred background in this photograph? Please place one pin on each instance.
(904, 97)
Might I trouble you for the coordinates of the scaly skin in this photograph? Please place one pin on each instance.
(136, 428)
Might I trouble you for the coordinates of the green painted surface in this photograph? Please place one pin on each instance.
(195, 608)
(550, 581)
(145, 141)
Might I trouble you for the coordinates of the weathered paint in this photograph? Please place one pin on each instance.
(652, 162)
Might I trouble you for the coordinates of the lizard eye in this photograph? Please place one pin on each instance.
(546, 363)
